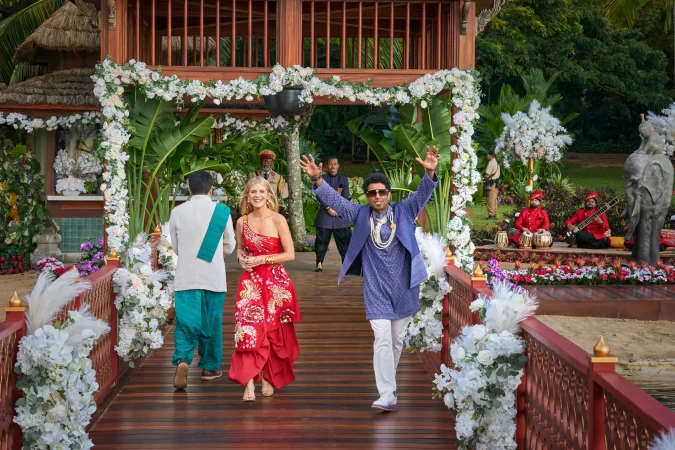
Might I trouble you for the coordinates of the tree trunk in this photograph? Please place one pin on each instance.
(295, 213)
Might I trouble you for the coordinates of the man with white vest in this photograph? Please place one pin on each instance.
(201, 233)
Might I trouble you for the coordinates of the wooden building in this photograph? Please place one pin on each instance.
(385, 43)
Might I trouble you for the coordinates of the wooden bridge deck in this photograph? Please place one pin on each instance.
(327, 406)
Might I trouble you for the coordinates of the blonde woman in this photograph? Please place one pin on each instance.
(266, 307)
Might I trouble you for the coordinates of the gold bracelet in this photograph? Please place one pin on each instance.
(269, 260)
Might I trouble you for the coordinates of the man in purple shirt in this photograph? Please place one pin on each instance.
(384, 250)
(328, 221)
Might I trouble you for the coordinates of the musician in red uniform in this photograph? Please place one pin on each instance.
(532, 219)
(596, 233)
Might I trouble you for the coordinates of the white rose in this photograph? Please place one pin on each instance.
(57, 413)
(449, 400)
(477, 305)
(459, 354)
(478, 332)
(484, 357)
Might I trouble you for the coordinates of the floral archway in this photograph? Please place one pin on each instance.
(111, 79)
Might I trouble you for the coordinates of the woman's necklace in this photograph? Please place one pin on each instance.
(376, 229)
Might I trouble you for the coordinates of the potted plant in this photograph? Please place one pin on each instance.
(285, 99)
(70, 187)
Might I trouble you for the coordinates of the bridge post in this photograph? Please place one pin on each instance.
(600, 362)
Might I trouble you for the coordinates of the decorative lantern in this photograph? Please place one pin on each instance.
(517, 264)
(285, 103)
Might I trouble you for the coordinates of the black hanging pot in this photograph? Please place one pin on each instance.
(285, 103)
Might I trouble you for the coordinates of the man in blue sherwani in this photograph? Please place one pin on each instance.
(328, 221)
(384, 250)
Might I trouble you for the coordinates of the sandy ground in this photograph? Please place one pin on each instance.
(22, 283)
(643, 347)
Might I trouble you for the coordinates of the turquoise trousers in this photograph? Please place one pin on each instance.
(199, 323)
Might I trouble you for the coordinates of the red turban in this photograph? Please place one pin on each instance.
(538, 195)
(267, 154)
(592, 195)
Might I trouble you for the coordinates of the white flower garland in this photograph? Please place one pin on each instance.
(110, 79)
(426, 328)
(141, 301)
(29, 124)
(231, 125)
(535, 134)
(58, 383)
(466, 99)
(488, 361)
(168, 259)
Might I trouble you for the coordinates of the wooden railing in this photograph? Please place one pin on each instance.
(220, 33)
(109, 368)
(567, 398)
(364, 34)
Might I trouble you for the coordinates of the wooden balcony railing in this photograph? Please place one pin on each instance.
(567, 399)
(390, 35)
(218, 33)
(11, 332)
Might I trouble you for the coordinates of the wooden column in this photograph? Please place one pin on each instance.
(289, 32)
(113, 31)
(454, 23)
(467, 43)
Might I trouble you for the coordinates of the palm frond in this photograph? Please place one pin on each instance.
(23, 71)
(17, 27)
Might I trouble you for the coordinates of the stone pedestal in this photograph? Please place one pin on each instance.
(47, 247)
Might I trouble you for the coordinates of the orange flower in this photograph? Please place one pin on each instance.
(14, 214)
(12, 198)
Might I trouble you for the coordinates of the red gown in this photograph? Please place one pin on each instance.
(598, 231)
(532, 219)
(266, 309)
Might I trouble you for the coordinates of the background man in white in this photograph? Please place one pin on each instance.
(200, 283)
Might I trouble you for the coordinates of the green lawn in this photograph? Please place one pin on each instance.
(610, 177)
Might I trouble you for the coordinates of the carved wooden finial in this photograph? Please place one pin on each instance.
(158, 230)
(15, 301)
(601, 349)
(478, 272)
(448, 254)
(113, 255)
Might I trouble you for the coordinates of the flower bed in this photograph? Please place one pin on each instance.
(13, 259)
(566, 275)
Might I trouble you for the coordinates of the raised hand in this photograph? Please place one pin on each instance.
(431, 159)
(309, 166)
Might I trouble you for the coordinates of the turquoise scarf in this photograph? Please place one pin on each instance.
(214, 232)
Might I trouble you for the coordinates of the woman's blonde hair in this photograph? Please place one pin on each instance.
(272, 202)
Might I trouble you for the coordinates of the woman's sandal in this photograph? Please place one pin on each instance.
(249, 392)
(267, 388)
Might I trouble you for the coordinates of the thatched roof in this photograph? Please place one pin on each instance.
(73, 27)
(177, 47)
(72, 87)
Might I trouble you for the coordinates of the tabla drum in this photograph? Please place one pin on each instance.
(542, 239)
(502, 239)
(525, 240)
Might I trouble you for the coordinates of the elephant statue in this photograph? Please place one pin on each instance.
(648, 179)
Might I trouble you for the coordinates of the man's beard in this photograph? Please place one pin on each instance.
(534, 206)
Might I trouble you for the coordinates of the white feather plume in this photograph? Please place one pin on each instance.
(86, 324)
(433, 250)
(50, 295)
(166, 232)
(664, 440)
(508, 307)
(509, 121)
(158, 276)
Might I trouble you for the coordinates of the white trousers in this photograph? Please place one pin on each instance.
(389, 335)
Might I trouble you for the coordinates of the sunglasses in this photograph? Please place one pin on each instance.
(375, 192)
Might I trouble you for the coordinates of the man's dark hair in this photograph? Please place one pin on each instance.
(374, 178)
(200, 182)
(332, 157)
